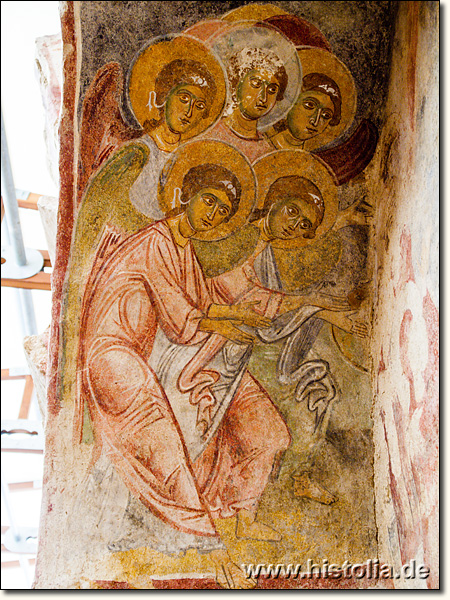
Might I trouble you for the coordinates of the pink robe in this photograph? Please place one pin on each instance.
(149, 282)
(253, 149)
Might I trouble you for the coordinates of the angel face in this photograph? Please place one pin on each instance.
(293, 217)
(257, 93)
(186, 105)
(208, 209)
(311, 115)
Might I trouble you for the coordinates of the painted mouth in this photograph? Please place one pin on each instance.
(206, 223)
(311, 130)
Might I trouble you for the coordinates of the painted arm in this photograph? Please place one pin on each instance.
(321, 300)
(178, 315)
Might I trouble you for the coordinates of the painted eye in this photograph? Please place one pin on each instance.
(272, 89)
(292, 211)
(200, 105)
(184, 98)
(224, 211)
(254, 82)
(327, 115)
(308, 104)
(305, 224)
(208, 200)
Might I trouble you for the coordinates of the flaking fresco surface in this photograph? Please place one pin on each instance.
(212, 386)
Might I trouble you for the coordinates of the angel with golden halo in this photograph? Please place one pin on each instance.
(297, 209)
(175, 90)
(183, 434)
(325, 105)
(143, 297)
(263, 76)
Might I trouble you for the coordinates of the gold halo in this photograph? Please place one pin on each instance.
(318, 60)
(242, 35)
(284, 163)
(213, 152)
(257, 12)
(156, 55)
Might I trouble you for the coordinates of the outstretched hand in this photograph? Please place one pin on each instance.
(227, 328)
(242, 313)
(349, 321)
(359, 213)
(328, 301)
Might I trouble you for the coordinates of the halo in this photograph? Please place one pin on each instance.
(257, 12)
(158, 53)
(318, 60)
(283, 163)
(203, 30)
(201, 152)
(244, 35)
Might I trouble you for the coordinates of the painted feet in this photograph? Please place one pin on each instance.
(305, 487)
(248, 528)
(228, 575)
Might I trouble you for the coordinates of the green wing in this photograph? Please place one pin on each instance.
(224, 255)
(106, 204)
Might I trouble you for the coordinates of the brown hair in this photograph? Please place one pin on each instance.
(180, 72)
(290, 186)
(325, 85)
(215, 176)
(320, 83)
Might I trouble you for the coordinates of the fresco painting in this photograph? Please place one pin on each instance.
(214, 368)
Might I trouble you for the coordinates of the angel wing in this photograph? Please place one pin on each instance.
(299, 31)
(350, 158)
(103, 128)
(106, 217)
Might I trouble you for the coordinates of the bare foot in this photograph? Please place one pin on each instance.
(305, 487)
(248, 528)
(228, 575)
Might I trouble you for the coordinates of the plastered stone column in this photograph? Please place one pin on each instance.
(405, 325)
(84, 540)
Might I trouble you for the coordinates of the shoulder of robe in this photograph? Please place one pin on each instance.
(224, 255)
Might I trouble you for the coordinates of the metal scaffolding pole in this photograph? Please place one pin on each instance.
(19, 262)
(10, 204)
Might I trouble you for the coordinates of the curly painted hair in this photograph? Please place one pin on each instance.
(254, 58)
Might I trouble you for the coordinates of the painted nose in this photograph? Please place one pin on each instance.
(190, 108)
(263, 93)
(212, 213)
(316, 117)
(295, 223)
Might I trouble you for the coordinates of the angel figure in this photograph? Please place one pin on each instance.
(175, 90)
(297, 205)
(324, 111)
(263, 74)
